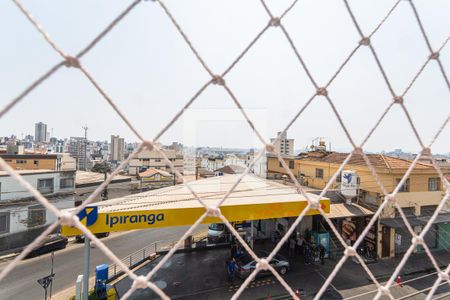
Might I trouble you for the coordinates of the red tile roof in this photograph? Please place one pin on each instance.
(377, 160)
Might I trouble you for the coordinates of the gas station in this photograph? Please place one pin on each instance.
(253, 199)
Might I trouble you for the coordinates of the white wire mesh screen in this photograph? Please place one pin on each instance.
(217, 77)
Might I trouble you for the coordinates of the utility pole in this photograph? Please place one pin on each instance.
(85, 128)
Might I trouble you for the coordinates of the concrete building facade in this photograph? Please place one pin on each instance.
(40, 132)
(78, 149)
(47, 182)
(147, 159)
(284, 146)
(117, 148)
(55, 162)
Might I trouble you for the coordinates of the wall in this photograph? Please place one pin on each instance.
(67, 163)
(12, 190)
(20, 234)
(273, 166)
(43, 163)
(153, 159)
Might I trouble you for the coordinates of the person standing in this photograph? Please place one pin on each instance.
(322, 253)
(300, 241)
(307, 254)
(292, 244)
(231, 268)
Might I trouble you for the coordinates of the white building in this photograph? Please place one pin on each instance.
(48, 182)
(284, 146)
(21, 218)
(153, 159)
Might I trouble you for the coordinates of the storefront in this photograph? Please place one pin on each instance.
(397, 238)
(350, 220)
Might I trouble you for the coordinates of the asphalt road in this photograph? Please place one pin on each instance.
(21, 283)
(202, 275)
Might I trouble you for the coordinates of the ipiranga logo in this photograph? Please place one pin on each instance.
(89, 213)
(133, 219)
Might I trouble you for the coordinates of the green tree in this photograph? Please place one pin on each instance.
(102, 167)
(105, 168)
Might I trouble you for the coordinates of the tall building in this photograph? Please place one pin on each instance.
(117, 148)
(77, 149)
(40, 132)
(284, 146)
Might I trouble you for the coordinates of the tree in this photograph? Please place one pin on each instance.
(105, 168)
(102, 167)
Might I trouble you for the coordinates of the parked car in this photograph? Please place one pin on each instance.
(80, 238)
(217, 233)
(51, 243)
(246, 264)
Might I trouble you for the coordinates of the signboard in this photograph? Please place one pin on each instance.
(349, 183)
(45, 281)
(99, 222)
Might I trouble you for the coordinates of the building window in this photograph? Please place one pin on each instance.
(157, 160)
(428, 210)
(4, 222)
(65, 183)
(45, 186)
(36, 163)
(434, 184)
(319, 173)
(408, 211)
(145, 159)
(36, 216)
(21, 161)
(404, 187)
(291, 164)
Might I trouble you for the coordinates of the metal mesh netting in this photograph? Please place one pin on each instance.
(321, 91)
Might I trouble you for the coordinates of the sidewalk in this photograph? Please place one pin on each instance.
(417, 263)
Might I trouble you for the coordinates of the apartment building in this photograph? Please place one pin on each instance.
(117, 148)
(284, 146)
(147, 159)
(77, 148)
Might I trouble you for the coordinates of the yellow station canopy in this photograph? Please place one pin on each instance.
(253, 199)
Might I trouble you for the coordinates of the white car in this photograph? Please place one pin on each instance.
(217, 232)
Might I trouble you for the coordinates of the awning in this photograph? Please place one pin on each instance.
(343, 210)
(414, 220)
(441, 218)
(399, 223)
(253, 198)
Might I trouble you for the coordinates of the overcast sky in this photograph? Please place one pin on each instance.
(148, 69)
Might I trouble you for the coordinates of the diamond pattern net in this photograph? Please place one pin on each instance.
(139, 282)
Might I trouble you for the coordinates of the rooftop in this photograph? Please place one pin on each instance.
(84, 178)
(29, 172)
(251, 190)
(153, 171)
(377, 160)
(231, 169)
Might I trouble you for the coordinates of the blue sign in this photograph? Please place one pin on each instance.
(90, 214)
(348, 177)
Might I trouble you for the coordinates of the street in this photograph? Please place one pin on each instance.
(21, 283)
(207, 279)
